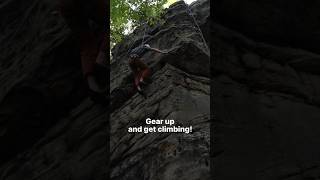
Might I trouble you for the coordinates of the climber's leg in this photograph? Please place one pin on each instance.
(97, 12)
(89, 50)
(78, 23)
(132, 66)
(145, 71)
(139, 69)
(77, 18)
(96, 74)
(137, 81)
(92, 54)
(145, 76)
(102, 55)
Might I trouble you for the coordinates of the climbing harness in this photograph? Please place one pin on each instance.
(200, 32)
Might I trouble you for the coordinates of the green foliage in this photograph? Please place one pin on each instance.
(128, 14)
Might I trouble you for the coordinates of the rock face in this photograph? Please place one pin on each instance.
(40, 77)
(265, 98)
(180, 90)
(56, 132)
(179, 96)
(287, 22)
(265, 108)
(49, 129)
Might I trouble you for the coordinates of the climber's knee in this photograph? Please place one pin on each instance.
(146, 73)
(137, 80)
(143, 78)
(88, 62)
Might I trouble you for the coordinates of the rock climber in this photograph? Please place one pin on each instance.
(87, 21)
(140, 70)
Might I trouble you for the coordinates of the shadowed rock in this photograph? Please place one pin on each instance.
(65, 134)
(265, 109)
(288, 22)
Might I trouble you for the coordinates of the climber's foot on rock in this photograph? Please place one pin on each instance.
(139, 89)
(141, 92)
(143, 82)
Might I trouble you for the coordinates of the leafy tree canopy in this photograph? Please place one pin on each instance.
(128, 14)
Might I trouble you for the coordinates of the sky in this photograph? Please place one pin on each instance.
(189, 1)
(128, 30)
(172, 1)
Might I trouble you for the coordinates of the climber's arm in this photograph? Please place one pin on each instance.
(155, 49)
(158, 50)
